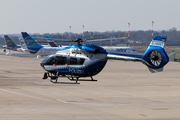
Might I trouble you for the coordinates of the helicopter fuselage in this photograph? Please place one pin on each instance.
(76, 61)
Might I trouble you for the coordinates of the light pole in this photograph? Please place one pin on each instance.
(70, 34)
(152, 28)
(128, 34)
(83, 32)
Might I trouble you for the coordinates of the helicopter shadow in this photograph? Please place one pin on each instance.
(64, 82)
(73, 82)
(85, 80)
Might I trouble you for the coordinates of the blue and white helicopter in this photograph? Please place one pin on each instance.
(88, 60)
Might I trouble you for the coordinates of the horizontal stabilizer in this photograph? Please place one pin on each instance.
(172, 54)
(155, 70)
(25, 50)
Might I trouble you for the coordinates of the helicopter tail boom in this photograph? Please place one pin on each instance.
(155, 57)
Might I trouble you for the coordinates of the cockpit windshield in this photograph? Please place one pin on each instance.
(45, 59)
(50, 61)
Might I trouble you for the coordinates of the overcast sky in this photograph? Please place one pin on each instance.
(52, 16)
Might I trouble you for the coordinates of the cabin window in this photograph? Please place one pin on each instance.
(73, 61)
(60, 60)
(82, 61)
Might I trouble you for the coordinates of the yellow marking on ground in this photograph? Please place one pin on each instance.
(89, 99)
(43, 83)
(142, 115)
(60, 87)
(108, 98)
(82, 92)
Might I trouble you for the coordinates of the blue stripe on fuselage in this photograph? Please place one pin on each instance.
(66, 48)
(79, 47)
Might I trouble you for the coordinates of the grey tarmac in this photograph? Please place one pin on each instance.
(124, 91)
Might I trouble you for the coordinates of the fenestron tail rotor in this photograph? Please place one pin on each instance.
(154, 58)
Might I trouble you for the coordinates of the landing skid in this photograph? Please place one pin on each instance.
(54, 78)
(63, 82)
(72, 79)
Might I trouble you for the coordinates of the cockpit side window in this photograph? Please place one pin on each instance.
(60, 60)
(50, 61)
(73, 61)
(82, 61)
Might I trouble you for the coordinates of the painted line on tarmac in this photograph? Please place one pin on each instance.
(142, 115)
(33, 96)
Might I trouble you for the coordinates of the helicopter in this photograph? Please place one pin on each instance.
(79, 61)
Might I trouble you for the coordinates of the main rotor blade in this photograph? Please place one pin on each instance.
(54, 39)
(90, 40)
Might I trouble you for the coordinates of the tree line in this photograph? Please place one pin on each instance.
(137, 38)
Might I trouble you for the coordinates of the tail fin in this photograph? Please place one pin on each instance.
(9, 42)
(31, 42)
(155, 56)
(32, 37)
(51, 41)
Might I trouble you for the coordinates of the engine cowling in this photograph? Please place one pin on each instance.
(89, 49)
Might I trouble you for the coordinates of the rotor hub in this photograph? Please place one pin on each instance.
(155, 57)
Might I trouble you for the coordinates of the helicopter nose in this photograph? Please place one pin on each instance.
(42, 64)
